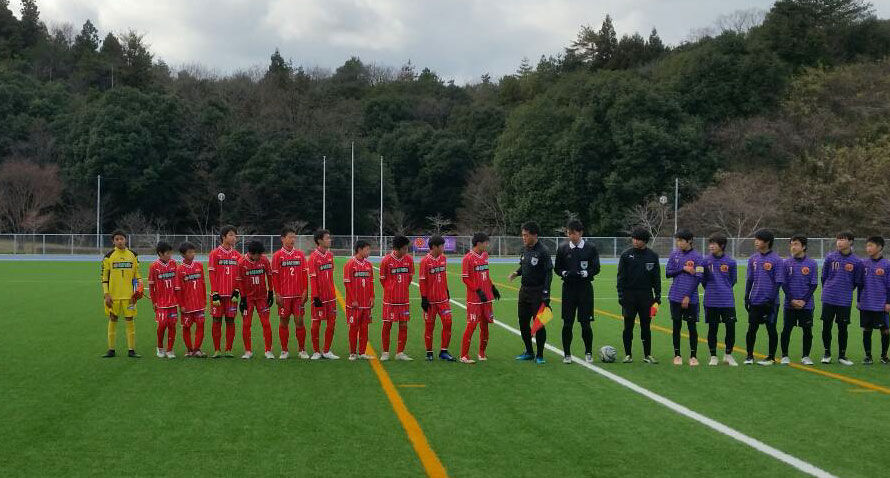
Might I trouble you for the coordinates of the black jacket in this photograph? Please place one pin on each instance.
(571, 261)
(639, 270)
(535, 267)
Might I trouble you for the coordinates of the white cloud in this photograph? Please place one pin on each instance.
(459, 39)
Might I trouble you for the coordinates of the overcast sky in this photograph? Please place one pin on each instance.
(459, 39)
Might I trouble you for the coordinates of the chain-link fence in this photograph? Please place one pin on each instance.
(500, 246)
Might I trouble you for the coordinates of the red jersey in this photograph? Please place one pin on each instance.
(162, 284)
(290, 273)
(253, 277)
(358, 279)
(222, 265)
(396, 275)
(474, 271)
(434, 279)
(321, 275)
(191, 290)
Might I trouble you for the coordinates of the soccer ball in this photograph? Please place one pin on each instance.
(608, 354)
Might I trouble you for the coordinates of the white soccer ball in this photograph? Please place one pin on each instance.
(608, 354)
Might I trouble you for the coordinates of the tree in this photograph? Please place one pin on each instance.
(27, 194)
(737, 204)
(650, 215)
(32, 28)
(136, 71)
(481, 207)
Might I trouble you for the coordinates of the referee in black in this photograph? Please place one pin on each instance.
(577, 262)
(639, 289)
(535, 268)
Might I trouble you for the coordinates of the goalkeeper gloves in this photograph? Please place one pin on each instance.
(214, 298)
(497, 294)
(317, 302)
(242, 306)
(270, 299)
(481, 295)
(236, 294)
(424, 304)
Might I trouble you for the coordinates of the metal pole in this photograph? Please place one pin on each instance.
(98, 213)
(676, 201)
(381, 206)
(324, 182)
(352, 201)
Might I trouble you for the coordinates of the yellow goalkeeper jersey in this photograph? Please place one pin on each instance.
(120, 268)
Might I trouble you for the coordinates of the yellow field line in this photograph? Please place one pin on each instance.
(428, 457)
(843, 378)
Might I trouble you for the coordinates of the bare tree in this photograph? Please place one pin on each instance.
(378, 74)
(27, 194)
(737, 204)
(740, 21)
(481, 208)
(396, 222)
(440, 223)
(651, 215)
(298, 225)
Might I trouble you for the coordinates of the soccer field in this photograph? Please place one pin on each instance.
(67, 412)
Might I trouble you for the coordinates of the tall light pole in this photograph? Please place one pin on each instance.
(381, 206)
(676, 201)
(324, 182)
(99, 213)
(221, 197)
(352, 205)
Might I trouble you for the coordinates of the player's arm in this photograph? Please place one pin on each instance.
(699, 270)
(384, 265)
(422, 277)
(826, 269)
(749, 282)
(348, 282)
(152, 282)
(814, 283)
(548, 278)
(672, 269)
(276, 274)
(621, 278)
(313, 282)
(214, 280)
(559, 264)
(733, 274)
(105, 278)
(270, 280)
(784, 286)
(656, 279)
(595, 261)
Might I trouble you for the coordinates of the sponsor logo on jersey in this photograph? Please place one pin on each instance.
(256, 272)
(228, 262)
(805, 271)
(398, 270)
(437, 269)
(767, 266)
(166, 275)
(481, 267)
(324, 267)
(724, 268)
(848, 267)
(362, 274)
(293, 263)
(191, 277)
(122, 265)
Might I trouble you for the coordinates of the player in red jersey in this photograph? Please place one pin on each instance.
(358, 280)
(324, 296)
(222, 265)
(255, 283)
(435, 297)
(162, 288)
(290, 279)
(396, 272)
(480, 293)
(191, 293)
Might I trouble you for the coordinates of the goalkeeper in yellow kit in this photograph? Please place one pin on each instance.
(122, 286)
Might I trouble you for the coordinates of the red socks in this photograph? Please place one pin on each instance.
(199, 334)
(329, 334)
(352, 332)
(428, 327)
(162, 326)
(483, 337)
(387, 327)
(267, 332)
(245, 332)
(230, 334)
(363, 337)
(301, 336)
(403, 337)
(468, 335)
(171, 334)
(187, 337)
(446, 333)
(216, 332)
(314, 330)
(283, 335)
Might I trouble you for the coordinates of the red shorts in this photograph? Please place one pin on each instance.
(166, 314)
(189, 318)
(357, 316)
(225, 308)
(396, 313)
(291, 306)
(477, 312)
(328, 310)
(260, 305)
(442, 309)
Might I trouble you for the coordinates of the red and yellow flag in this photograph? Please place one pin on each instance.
(544, 315)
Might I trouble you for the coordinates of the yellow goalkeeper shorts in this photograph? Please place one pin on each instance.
(121, 308)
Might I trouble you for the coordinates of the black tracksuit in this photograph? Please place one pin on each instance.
(534, 268)
(639, 286)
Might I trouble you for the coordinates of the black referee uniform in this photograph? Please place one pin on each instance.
(639, 286)
(534, 268)
(577, 264)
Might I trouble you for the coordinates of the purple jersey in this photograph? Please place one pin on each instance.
(801, 280)
(764, 278)
(685, 284)
(721, 274)
(875, 291)
(840, 275)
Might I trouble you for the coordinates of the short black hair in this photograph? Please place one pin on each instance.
(319, 235)
(801, 239)
(845, 235)
(479, 237)
(877, 240)
(684, 234)
(225, 230)
(186, 246)
(163, 247)
(361, 244)
(436, 240)
(575, 225)
(641, 234)
(765, 235)
(118, 232)
(256, 247)
(287, 230)
(399, 241)
(718, 239)
(532, 228)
